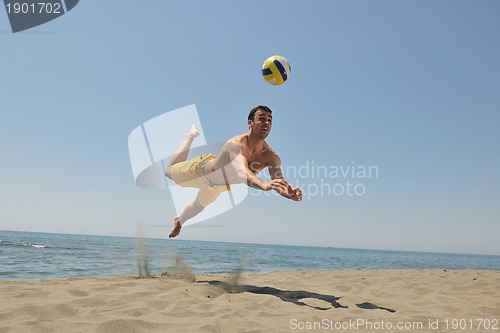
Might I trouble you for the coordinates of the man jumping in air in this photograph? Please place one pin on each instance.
(239, 160)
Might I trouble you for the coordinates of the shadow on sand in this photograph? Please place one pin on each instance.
(292, 296)
(285, 295)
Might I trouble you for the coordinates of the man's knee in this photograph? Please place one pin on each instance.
(197, 207)
(167, 173)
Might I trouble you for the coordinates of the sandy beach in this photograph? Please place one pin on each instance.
(276, 301)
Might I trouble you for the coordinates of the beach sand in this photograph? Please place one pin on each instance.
(276, 301)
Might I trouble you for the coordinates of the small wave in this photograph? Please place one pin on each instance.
(38, 246)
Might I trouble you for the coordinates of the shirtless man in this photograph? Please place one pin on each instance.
(239, 160)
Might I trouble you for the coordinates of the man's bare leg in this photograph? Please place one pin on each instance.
(191, 210)
(181, 153)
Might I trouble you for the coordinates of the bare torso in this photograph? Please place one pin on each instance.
(258, 157)
(238, 154)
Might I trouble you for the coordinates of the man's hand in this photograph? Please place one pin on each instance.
(295, 193)
(279, 185)
(282, 187)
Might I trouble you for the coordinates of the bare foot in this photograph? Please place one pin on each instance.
(177, 228)
(193, 131)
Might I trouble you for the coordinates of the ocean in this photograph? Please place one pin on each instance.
(35, 256)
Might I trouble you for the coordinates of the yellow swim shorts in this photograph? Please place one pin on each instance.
(190, 174)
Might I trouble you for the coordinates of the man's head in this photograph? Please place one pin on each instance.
(260, 120)
(252, 113)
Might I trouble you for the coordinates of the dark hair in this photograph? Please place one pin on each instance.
(251, 115)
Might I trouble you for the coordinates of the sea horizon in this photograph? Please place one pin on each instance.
(41, 255)
(266, 244)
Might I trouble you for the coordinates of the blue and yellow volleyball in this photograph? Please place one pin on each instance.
(276, 70)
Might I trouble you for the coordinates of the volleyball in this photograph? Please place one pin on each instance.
(276, 70)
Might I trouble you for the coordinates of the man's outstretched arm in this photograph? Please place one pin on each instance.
(293, 193)
(252, 180)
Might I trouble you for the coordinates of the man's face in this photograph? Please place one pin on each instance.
(261, 124)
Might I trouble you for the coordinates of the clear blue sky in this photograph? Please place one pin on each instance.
(411, 87)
